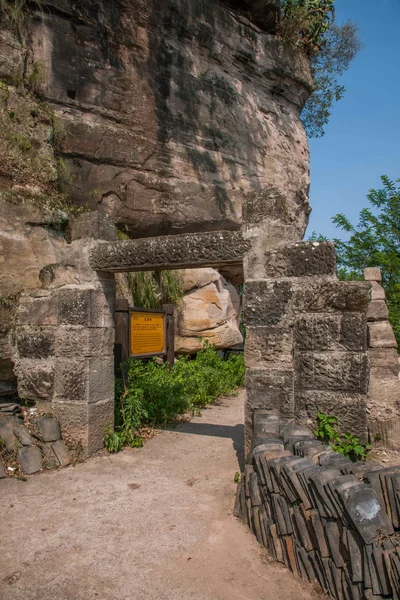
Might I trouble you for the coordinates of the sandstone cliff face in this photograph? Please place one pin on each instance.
(171, 116)
(174, 112)
(208, 312)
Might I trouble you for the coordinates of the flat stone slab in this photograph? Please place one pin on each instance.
(366, 513)
(10, 409)
(49, 429)
(30, 459)
(183, 251)
(10, 441)
(23, 435)
(61, 451)
(51, 461)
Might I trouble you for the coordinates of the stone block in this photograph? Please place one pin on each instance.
(342, 371)
(84, 380)
(350, 409)
(182, 251)
(384, 388)
(377, 292)
(58, 275)
(331, 332)
(100, 416)
(38, 309)
(301, 260)
(95, 225)
(49, 429)
(73, 306)
(30, 459)
(269, 347)
(385, 357)
(266, 421)
(7, 434)
(23, 435)
(380, 335)
(86, 341)
(268, 389)
(35, 379)
(2, 471)
(35, 342)
(101, 306)
(101, 378)
(316, 332)
(265, 302)
(353, 332)
(61, 451)
(71, 379)
(377, 311)
(322, 296)
(73, 418)
(372, 274)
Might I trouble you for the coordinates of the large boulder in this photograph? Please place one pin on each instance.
(208, 311)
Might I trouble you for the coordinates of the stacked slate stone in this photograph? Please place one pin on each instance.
(33, 449)
(327, 518)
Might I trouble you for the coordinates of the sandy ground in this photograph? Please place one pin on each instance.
(150, 523)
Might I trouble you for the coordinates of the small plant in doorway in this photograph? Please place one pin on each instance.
(151, 395)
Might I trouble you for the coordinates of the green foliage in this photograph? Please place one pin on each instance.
(304, 23)
(152, 394)
(340, 47)
(236, 477)
(309, 26)
(326, 428)
(14, 14)
(374, 242)
(347, 444)
(152, 289)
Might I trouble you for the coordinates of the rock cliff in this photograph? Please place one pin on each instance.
(169, 116)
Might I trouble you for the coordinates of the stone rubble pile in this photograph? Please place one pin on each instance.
(30, 449)
(329, 519)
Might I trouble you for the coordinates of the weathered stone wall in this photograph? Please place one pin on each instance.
(64, 339)
(383, 408)
(328, 519)
(306, 344)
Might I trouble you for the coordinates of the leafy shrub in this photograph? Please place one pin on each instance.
(347, 444)
(309, 27)
(152, 394)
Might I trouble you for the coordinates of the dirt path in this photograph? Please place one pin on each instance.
(154, 523)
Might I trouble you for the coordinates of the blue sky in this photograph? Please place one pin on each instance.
(362, 139)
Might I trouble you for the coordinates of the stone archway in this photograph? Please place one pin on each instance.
(306, 343)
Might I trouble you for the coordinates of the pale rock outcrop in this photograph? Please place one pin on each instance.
(207, 312)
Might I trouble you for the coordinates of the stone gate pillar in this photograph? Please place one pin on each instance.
(384, 390)
(65, 338)
(306, 344)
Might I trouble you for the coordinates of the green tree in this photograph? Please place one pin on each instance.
(310, 27)
(374, 242)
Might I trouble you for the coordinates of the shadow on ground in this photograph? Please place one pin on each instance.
(235, 432)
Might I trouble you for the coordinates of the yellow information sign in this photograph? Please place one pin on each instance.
(147, 333)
